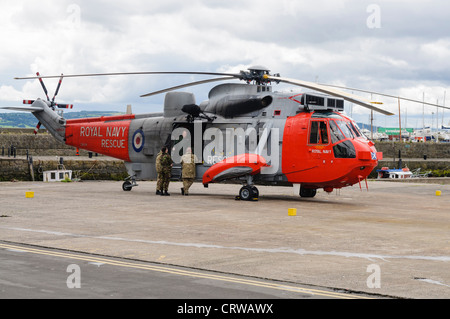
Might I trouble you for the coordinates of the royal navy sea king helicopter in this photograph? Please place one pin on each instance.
(244, 133)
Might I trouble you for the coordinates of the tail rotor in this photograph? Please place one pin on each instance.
(51, 103)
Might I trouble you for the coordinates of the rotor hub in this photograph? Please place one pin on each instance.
(259, 74)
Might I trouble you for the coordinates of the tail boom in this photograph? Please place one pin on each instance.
(41, 109)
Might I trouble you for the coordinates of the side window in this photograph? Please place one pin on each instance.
(318, 133)
(336, 134)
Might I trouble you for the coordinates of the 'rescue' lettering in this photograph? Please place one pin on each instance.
(113, 143)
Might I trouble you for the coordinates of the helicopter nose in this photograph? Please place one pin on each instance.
(367, 155)
(363, 161)
(367, 159)
(368, 152)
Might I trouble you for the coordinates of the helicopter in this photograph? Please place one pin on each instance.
(245, 133)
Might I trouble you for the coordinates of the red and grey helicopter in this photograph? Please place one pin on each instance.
(244, 133)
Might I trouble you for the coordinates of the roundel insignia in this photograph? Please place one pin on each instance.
(138, 141)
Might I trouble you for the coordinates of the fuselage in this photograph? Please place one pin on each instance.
(296, 138)
(320, 149)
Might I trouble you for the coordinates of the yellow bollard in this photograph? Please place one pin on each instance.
(292, 211)
(29, 194)
(438, 193)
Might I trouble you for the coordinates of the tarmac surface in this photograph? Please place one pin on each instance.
(30, 272)
(390, 241)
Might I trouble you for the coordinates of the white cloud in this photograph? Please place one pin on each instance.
(327, 40)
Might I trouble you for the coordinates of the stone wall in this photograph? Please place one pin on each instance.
(412, 156)
(413, 150)
(14, 169)
(84, 169)
(42, 144)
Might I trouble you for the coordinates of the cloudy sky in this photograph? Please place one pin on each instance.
(396, 47)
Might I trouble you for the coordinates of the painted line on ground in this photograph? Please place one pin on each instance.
(181, 272)
(297, 251)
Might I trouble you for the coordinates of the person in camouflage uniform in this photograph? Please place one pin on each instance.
(158, 172)
(166, 171)
(188, 161)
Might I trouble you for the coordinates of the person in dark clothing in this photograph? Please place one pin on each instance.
(158, 172)
(166, 171)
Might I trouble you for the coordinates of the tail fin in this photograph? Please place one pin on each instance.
(42, 110)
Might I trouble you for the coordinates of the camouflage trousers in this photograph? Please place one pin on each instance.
(187, 182)
(158, 183)
(162, 182)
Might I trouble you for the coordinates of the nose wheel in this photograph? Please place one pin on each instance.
(248, 193)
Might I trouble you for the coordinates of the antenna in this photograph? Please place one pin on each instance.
(423, 111)
(443, 110)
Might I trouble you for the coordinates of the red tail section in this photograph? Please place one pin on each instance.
(107, 135)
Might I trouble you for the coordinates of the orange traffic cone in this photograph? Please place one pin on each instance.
(78, 152)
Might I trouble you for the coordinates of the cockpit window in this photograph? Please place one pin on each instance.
(335, 133)
(358, 130)
(344, 149)
(318, 133)
(355, 129)
(345, 129)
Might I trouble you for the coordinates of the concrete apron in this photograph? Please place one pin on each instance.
(391, 240)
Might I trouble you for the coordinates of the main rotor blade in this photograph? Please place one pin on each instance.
(189, 84)
(346, 96)
(57, 88)
(127, 73)
(42, 84)
(22, 108)
(387, 95)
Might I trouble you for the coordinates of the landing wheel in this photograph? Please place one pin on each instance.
(255, 193)
(127, 186)
(129, 183)
(307, 192)
(248, 193)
